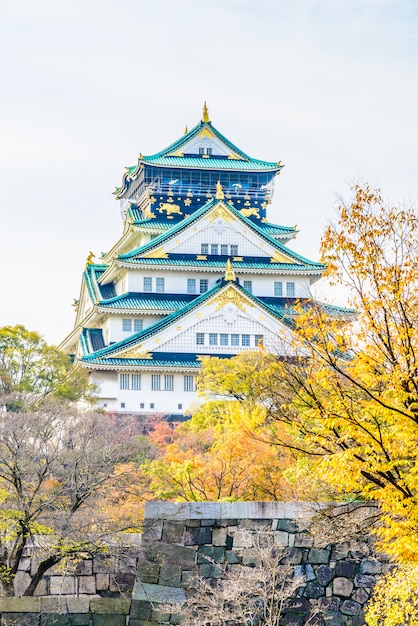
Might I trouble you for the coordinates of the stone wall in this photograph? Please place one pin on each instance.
(181, 541)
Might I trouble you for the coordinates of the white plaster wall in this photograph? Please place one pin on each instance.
(145, 400)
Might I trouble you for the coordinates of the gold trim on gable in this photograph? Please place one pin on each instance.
(135, 353)
(280, 258)
(231, 296)
(220, 213)
(206, 133)
(159, 253)
(251, 211)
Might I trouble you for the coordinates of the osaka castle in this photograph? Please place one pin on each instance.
(198, 270)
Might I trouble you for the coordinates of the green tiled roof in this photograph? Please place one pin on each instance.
(177, 228)
(218, 261)
(148, 301)
(209, 164)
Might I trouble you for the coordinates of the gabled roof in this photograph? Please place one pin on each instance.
(186, 222)
(175, 155)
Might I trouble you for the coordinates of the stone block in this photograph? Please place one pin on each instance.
(78, 604)
(62, 585)
(140, 610)
(255, 524)
(298, 605)
(332, 618)
(324, 575)
(198, 536)
(210, 570)
(170, 575)
(110, 606)
(342, 587)
(147, 572)
(231, 557)
(84, 567)
(153, 530)
(158, 593)
(87, 584)
(173, 531)
(370, 566)
(319, 556)
(288, 525)
(291, 619)
(345, 568)
(350, 607)
(293, 556)
(21, 582)
(219, 537)
(187, 578)
(122, 583)
(313, 589)
(108, 620)
(207, 522)
(25, 604)
(303, 540)
(281, 538)
(102, 582)
(360, 596)
(42, 587)
(168, 553)
(305, 571)
(24, 564)
(211, 554)
(242, 539)
(234, 510)
(329, 604)
(251, 557)
(20, 619)
(160, 617)
(364, 580)
(54, 605)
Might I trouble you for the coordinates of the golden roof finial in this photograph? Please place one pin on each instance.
(219, 191)
(205, 116)
(229, 272)
(90, 258)
(186, 130)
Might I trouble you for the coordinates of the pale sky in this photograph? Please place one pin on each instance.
(329, 87)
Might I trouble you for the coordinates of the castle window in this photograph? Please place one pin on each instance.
(290, 290)
(214, 248)
(203, 285)
(189, 383)
(248, 285)
(159, 285)
(200, 339)
(224, 249)
(209, 151)
(213, 339)
(147, 284)
(259, 341)
(122, 405)
(191, 285)
(234, 339)
(152, 405)
(168, 382)
(138, 325)
(156, 382)
(245, 340)
(124, 381)
(179, 406)
(223, 339)
(126, 326)
(234, 250)
(136, 381)
(142, 405)
(204, 248)
(201, 151)
(278, 289)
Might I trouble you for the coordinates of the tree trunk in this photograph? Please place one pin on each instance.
(43, 567)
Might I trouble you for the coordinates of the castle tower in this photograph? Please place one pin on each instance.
(198, 270)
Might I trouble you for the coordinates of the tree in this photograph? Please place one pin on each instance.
(214, 456)
(394, 601)
(59, 462)
(53, 464)
(29, 366)
(350, 400)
